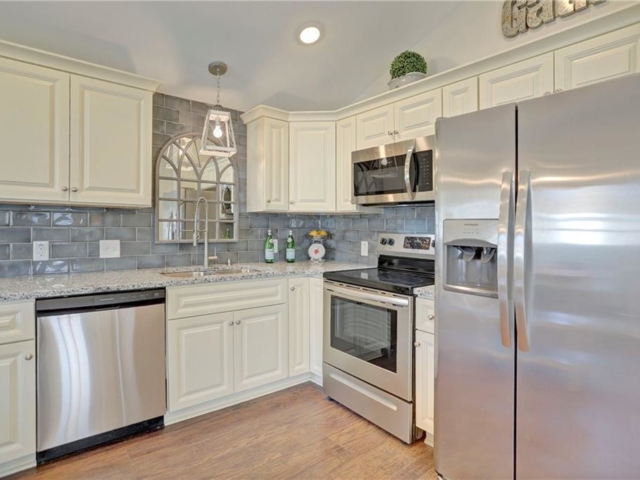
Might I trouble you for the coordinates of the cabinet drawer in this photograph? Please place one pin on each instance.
(194, 300)
(17, 321)
(425, 315)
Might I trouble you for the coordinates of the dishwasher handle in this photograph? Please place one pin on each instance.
(110, 300)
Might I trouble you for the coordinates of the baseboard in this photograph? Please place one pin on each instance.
(17, 465)
(231, 400)
(315, 378)
(428, 439)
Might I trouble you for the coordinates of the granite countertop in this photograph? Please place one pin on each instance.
(22, 288)
(425, 292)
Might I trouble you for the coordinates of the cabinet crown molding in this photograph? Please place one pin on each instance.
(71, 65)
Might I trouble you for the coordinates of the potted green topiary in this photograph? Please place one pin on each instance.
(407, 68)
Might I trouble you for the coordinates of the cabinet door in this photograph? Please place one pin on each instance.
(316, 322)
(425, 315)
(345, 145)
(260, 346)
(460, 97)
(521, 81)
(375, 127)
(312, 167)
(110, 143)
(200, 359)
(17, 400)
(298, 326)
(276, 165)
(602, 58)
(425, 381)
(34, 133)
(416, 116)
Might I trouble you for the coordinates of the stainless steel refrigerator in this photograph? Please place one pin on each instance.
(537, 291)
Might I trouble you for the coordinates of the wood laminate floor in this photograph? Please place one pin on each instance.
(296, 433)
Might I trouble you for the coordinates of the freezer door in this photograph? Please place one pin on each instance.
(474, 396)
(576, 277)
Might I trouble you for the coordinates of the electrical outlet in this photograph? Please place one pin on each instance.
(275, 245)
(41, 250)
(109, 248)
(364, 249)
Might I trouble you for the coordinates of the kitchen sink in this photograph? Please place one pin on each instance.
(206, 273)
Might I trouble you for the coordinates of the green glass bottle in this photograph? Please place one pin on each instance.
(291, 248)
(268, 248)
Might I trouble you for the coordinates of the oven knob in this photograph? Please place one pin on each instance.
(391, 241)
(383, 241)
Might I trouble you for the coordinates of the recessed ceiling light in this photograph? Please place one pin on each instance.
(309, 34)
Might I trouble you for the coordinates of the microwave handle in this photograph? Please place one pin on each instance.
(407, 173)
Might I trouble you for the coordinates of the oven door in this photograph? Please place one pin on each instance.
(369, 334)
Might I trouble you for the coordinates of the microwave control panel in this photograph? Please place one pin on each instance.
(424, 162)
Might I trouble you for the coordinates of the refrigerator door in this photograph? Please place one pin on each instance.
(576, 275)
(474, 396)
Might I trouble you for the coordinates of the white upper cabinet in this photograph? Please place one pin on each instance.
(416, 116)
(602, 58)
(110, 143)
(460, 97)
(345, 145)
(34, 133)
(521, 81)
(268, 165)
(312, 167)
(375, 127)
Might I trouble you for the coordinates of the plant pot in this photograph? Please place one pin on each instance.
(406, 80)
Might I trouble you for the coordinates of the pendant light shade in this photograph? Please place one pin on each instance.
(218, 139)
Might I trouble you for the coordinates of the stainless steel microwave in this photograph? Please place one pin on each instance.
(397, 173)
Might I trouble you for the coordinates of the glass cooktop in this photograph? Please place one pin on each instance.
(387, 279)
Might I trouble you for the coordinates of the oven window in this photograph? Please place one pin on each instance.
(365, 331)
(380, 177)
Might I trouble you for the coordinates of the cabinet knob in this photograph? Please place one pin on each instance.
(291, 202)
(65, 189)
(238, 322)
(231, 323)
(293, 289)
(416, 344)
(431, 317)
(396, 132)
(28, 356)
(547, 93)
(558, 90)
(389, 132)
(74, 189)
(268, 200)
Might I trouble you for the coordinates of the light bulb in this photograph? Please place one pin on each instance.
(217, 131)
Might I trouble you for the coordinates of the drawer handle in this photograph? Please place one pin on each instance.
(431, 317)
(293, 289)
(65, 189)
(238, 322)
(231, 323)
(74, 189)
(28, 356)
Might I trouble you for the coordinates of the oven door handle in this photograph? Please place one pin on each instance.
(407, 173)
(360, 296)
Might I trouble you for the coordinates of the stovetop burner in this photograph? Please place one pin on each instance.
(407, 263)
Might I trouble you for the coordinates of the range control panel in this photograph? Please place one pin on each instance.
(406, 243)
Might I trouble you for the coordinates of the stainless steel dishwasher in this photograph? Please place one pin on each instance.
(101, 369)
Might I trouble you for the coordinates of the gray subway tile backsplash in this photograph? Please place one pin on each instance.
(74, 232)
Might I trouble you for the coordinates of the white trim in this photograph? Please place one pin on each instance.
(174, 417)
(580, 32)
(71, 65)
(17, 465)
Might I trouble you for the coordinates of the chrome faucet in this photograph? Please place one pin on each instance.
(197, 231)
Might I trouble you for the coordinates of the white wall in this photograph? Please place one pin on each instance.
(473, 31)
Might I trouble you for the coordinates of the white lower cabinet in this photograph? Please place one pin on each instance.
(200, 351)
(260, 346)
(299, 312)
(17, 402)
(425, 382)
(316, 328)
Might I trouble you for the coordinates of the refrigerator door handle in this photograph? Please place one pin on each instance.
(505, 255)
(521, 262)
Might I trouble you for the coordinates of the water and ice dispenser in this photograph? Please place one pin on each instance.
(471, 260)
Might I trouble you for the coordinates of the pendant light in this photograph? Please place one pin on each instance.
(217, 137)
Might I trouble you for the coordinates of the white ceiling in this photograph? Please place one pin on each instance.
(175, 41)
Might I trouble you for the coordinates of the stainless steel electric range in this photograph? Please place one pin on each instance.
(369, 329)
